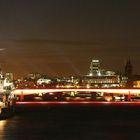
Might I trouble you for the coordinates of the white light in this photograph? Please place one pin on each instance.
(99, 73)
(90, 74)
(2, 49)
(95, 60)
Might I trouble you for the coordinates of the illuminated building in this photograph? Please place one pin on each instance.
(33, 76)
(94, 67)
(102, 78)
(136, 81)
(44, 81)
(136, 84)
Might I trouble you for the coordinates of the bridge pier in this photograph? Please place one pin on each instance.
(21, 96)
(129, 96)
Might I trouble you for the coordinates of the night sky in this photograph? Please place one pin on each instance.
(61, 37)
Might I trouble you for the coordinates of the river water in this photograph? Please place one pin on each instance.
(72, 123)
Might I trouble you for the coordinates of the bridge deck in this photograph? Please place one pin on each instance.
(105, 90)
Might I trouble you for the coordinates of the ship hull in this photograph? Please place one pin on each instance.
(7, 112)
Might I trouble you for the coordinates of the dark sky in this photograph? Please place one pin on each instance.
(60, 37)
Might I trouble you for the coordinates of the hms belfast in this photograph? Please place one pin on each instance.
(7, 98)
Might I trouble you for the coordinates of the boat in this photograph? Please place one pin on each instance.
(7, 97)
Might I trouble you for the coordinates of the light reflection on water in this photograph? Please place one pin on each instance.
(3, 124)
(72, 124)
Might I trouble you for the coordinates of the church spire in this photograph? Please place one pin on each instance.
(129, 73)
(128, 68)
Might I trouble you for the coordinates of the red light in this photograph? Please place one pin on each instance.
(77, 102)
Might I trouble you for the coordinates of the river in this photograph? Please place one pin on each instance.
(84, 122)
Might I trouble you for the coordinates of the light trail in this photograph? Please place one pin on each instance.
(107, 90)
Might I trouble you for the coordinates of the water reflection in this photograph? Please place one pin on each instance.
(3, 124)
(78, 123)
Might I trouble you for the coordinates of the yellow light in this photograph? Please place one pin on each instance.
(108, 99)
(88, 86)
(2, 124)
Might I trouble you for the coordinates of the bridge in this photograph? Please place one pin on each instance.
(116, 91)
(120, 91)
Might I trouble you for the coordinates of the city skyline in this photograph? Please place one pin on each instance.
(89, 72)
(62, 37)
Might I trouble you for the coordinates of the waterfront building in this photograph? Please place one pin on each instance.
(41, 81)
(94, 67)
(136, 81)
(136, 84)
(102, 78)
(33, 76)
(129, 73)
(128, 68)
(67, 82)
